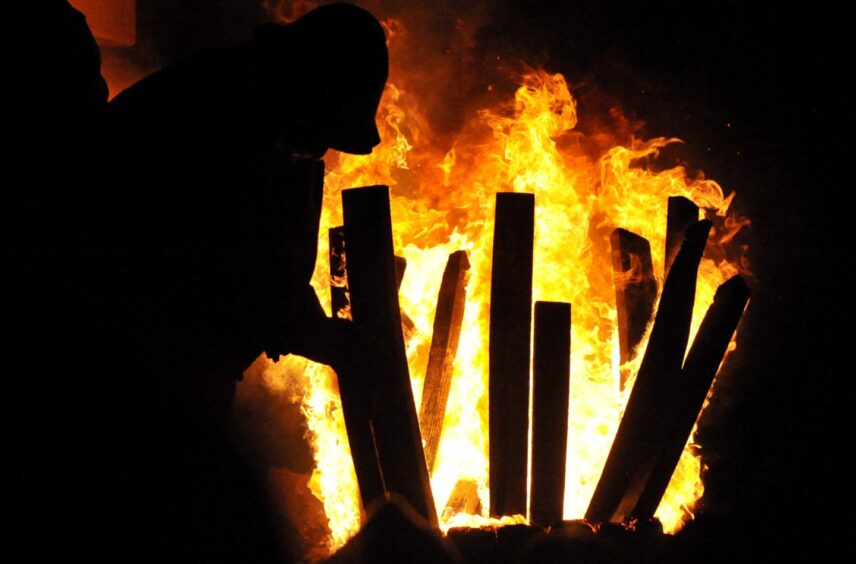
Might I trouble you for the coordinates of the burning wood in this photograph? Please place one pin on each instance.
(634, 449)
(582, 198)
(339, 300)
(464, 499)
(635, 291)
(703, 360)
(444, 346)
(680, 214)
(510, 325)
(551, 368)
(394, 429)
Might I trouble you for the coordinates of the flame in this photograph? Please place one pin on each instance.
(443, 201)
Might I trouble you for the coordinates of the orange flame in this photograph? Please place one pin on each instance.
(442, 201)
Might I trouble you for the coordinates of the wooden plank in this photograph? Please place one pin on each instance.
(634, 449)
(635, 291)
(356, 398)
(680, 215)
(551, 369)
(509, 351)
(448, 318)
(700, 368)
(340, 301)
(375, 311)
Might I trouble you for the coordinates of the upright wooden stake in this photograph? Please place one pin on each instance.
(634, 450)
(635, 291)
(444, 346)
(680, 215)
(700, 367)
(375, 310)
(510, 326)
(550, 375)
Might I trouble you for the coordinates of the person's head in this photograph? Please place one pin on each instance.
(322, 77)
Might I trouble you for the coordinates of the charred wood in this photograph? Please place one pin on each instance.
(635, 448)
(510, 325)
(680, 215)
(339, 300)
(550, 374)
(691, 389)
(635, 291)
(444, 346)
(375, 311)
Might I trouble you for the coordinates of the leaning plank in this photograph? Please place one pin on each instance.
(680, 215)
(444, 346)
(510, 325)
(635, 291)
(703, 361)
(356, 397)
(375, 311)
(551, 369)
(634, 449)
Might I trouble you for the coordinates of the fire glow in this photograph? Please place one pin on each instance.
(442, 200)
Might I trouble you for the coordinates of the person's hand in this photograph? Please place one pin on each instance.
(308, 332)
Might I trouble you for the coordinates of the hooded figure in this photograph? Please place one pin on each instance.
(205, 234)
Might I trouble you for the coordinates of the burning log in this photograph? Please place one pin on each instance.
(339, 300)
(635, 447)
(635, 291)
(702, 363)
(680, 215)
(444, 346)
(510, 324)
(375, 311)
(550, 373)
(464, 499)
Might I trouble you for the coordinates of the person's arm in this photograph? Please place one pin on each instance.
(308, 332)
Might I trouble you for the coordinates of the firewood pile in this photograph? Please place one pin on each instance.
(670, 387)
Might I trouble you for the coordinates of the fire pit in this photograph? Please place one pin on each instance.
(530, 190)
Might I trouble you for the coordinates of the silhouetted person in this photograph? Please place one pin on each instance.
(205, 244)
(53, 101)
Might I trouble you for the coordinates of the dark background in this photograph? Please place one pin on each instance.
(757, 92)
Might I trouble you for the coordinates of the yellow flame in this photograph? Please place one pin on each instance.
(445, 203)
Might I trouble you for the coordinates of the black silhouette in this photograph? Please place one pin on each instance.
(186, 251)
